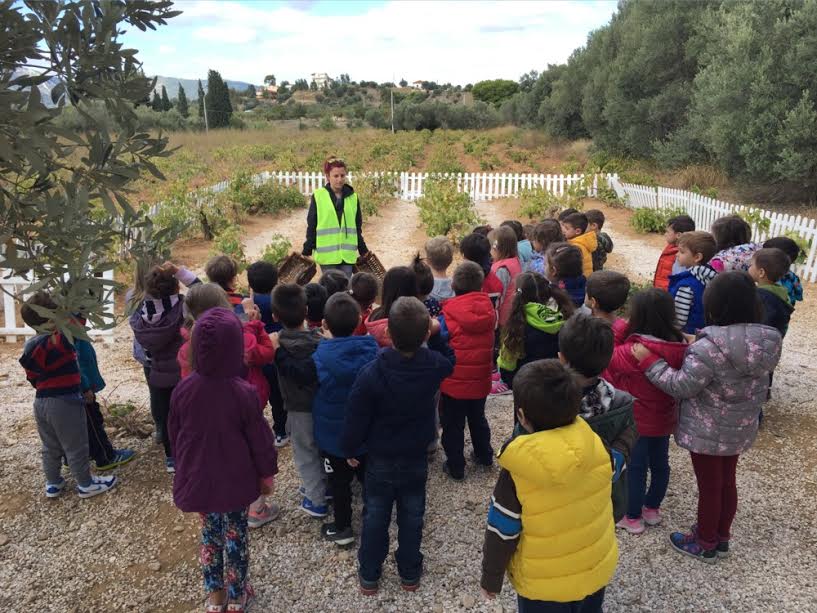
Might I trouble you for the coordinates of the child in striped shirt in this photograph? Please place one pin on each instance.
(695, 249)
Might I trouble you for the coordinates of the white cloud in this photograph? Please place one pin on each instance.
(167, 49)
(453, 42)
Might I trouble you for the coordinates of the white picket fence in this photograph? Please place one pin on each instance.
(706, 210)
(11, 328)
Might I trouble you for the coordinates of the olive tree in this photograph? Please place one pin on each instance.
(64, 192)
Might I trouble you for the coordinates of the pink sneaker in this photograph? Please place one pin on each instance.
(652, 517)
(633, 526)
(498, 388)
(495, 376)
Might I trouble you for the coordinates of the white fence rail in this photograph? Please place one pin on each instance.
(12, 328)
(706, 210)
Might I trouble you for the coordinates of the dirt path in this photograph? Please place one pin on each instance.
(101, 554)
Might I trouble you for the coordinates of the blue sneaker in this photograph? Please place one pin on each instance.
(313, 509)
(688, 545)
(170, 465)
(52, 490)
(120, 457)
(98, 485)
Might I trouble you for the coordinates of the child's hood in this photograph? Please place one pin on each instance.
(417, 376)
(779, 292)
(377, 328)
(300, 343)
(672, 352)
(588, 240)
(749, 349)
(473, 311)
(343, 357)
(158, 333)
(703, 272)
(543, 317)
(219, 344)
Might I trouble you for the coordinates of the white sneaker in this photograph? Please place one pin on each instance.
(99, 485)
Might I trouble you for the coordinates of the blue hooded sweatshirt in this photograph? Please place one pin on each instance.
(337, 362)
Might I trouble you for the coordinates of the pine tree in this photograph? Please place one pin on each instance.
(181, 104)
(156, 104)
(166, 105)
(219, 109)
(201, 101)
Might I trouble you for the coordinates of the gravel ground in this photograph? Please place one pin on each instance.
(132, 550)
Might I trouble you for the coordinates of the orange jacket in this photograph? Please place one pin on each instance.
(664, 268)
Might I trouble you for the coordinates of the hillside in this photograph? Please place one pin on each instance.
(191, 87)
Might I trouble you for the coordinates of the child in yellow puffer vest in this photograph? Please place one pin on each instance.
(555, 481)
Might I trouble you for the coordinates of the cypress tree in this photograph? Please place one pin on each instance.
(156, 104)
(201, 101)
(219, 108)
(166, 105)
(181, 104)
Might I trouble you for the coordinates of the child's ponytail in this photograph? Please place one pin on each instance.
(548, 291)
(513, 334)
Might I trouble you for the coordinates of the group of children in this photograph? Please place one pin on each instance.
(364, 377)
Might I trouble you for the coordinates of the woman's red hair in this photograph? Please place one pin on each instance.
(331, 163)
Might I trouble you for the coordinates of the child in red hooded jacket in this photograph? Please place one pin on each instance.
(471, 319)
(652, 323)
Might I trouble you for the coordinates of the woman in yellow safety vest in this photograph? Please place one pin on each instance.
(334, 222)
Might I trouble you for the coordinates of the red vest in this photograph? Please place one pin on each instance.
(664, 268)
(513, 266)
(471, 320)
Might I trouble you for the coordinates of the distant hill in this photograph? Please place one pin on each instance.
(191, 87)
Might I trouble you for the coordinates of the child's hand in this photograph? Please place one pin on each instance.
(434, 326)
(89, 396)
(274, 339)
(353, 462)
(247, 304)
(689, 338)
(488, 595)
(640, 352)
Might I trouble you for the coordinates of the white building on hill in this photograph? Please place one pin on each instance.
(321, 79)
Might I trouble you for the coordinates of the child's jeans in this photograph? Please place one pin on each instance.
(160, 407)
(590, 604)
(308, 461)
(99, 445)
(717, 497)
(453, 415)
(340, 476)
(220, 533)
(63, 432)
(276, 403)
(649, 452)
(391, 481)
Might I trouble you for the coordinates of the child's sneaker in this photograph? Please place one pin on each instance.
(52, 490)
(281, 440)
(722, 550)
(409, 585)
(170, 465)
(98, 485)
(313, 509)
(498, 388)
(633, 526)
(246, 601)
(688, 545)
(368, 588)
(120, 457)
(652, 517)
(340, 538)
(447, 471)
(495, 376)
(263, 515)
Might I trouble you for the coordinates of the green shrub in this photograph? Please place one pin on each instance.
(441, 161)
(638, 178)
(327, 123)
(228, 242)
(374, 192)
(710, 192)
(803, 243)
(273, 197)
(608, 196)
(653, 220)
(446, 211)
(538, 203)
(755, 219)
(278, 248)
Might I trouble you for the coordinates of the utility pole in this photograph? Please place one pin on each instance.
(206, 123)
(391, 91)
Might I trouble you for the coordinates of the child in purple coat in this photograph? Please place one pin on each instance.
(225, 454)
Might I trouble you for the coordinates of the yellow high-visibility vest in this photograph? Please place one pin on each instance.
(335, 241)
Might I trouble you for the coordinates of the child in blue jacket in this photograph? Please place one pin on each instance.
(695, 249)
(334, 366)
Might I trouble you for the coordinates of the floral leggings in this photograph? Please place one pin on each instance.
(220, 533)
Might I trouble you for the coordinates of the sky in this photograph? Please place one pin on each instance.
(455, 42)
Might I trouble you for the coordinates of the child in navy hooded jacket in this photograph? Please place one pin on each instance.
(390, 412)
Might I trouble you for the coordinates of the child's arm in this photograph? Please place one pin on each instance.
(311, 228)
(301, 370)
(607, 243)
(693, 376)
(260, 440)
(359, 412)
(258, 348)
(436, 342)
(501, 534)
(684, 298)
(184, 276)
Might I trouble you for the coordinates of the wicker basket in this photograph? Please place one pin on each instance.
(371, 264)
(296, 268)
